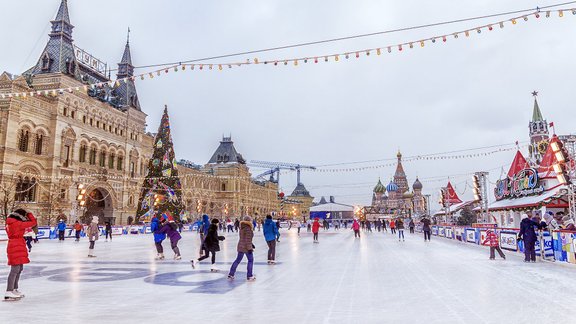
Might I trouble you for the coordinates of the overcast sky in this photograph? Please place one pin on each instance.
(463, 94)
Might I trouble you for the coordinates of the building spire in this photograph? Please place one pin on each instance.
(62, 14)
(126, 91)
(536, 114)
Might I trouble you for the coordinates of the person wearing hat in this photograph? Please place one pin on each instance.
(528, 235)
(271, 235)
(16, 224)
(211, 245)
(92, 232)
(245, 247)
(316, 229)
(61, 229)
(170, 228)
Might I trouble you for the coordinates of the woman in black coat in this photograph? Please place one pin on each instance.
(211, 244)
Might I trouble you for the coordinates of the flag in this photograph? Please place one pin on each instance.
(551, 124)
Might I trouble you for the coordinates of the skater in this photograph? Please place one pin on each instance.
(384, 226)
(211, 245)
(108, 230)
(245, 247)
(93, 232)
(278, 228)
(316, 229)
(158, 237)
(528, 235)
(356, 228)
(426, 228)
(369, 226)
(61, 229)
(29, 236)
(308, 227)
(16, 223)
(236, 225)
(229, 225)
(78, 230)
(170, 228)
(492, 241)
(271, 235)
(203, 232)
(400, 227)
(411, 226)
(392, 226)
(378, 225)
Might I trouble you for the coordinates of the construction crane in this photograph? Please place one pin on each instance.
(275, 167)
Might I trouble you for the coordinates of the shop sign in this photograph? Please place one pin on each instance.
(523, 183)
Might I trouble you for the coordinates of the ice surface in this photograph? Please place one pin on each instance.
(375, 279)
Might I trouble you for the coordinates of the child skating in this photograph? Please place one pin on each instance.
(170, 228)
(316, 229)
(158, 237)
(492, 241)
(211, 245)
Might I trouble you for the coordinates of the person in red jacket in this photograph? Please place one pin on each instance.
(393, 226)
(16, 224)
(492, 241)
(356, 228)
(316, 229)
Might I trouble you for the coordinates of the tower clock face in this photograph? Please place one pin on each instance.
(542, 146)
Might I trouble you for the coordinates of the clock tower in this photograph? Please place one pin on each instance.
(539, 134)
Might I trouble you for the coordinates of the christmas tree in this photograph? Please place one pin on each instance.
(162, 190)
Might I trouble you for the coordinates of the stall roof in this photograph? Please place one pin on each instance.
(528, 201)
(332, 207)
(454, 208)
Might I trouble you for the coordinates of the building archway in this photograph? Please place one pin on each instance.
(99, 203)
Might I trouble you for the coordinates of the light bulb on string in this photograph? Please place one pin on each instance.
(560, 13)
(378, 51)
(513, 21)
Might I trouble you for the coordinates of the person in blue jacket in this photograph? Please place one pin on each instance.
(528, 235)
(61, 229)
(271, 234)
(155, 227)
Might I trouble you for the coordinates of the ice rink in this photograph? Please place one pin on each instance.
(374, 279)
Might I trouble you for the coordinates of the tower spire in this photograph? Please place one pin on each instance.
(126, 91)
(536, 114)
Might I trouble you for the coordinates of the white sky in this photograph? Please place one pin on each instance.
(463, 94)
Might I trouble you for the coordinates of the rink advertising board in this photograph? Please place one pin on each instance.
(482, 237)
(441, 231)
(435, 230)
(43, 233)
(547, 239)
(117, 230)
(470, 235)
(3, 235)
(449, 232)
(508, 241)
(458, 232)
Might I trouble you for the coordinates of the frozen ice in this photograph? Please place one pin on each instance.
(374, 279)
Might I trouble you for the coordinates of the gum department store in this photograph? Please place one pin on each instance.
(50, 142)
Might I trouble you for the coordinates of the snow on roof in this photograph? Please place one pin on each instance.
(454, 208)
(528, 201)
(332, 207)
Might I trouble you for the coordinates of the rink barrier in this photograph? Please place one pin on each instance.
(559, 244)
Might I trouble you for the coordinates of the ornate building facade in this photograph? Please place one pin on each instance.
(539, 134)
(224, 187)
(51, 142)
(396, 198)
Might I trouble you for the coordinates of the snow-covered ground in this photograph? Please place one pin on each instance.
(375, 279)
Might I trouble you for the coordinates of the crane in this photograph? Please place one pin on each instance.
(275, 167)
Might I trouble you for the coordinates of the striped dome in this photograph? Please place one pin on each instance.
(379, 187)
(392, 187)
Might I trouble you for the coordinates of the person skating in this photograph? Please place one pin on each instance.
(92, 232)
(170, 228)
(411, 225)
(245, 247)
(384, 226)
(61, 229)
(356, 228)
(528, 235)
(108, 230)
(203, 232)
(158, 237)
(16, 224)
(393, 226)
(316, 229)
(400, 227)
(77, 230)
(426, 228)
(271, 234)
(29, 236)
(492, 241)
(236, 225)
(211, 245)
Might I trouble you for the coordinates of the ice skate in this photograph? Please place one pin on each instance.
(177, 257)
(18, 293)
(230, 277)
(11, 296)
(214, 269)
(253, 278)
(157, 257)
(162, 256)
(193, 263)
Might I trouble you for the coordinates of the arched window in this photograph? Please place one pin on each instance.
(120, 163)
(111, 159)
(39, 143)
(24, 138)
(223, 187)
(102, 158)
(83, 150)
(25, 190)
(92, 157)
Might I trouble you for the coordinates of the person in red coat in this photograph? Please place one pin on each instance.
(16, 224)
(492, 241)
(316, 228)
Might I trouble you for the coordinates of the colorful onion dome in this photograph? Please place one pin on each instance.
(379, 187)
(392, 187)
(417, 185)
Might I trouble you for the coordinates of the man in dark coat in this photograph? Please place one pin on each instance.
(426, 228)
(528, 235)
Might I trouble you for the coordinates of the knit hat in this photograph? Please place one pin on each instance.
(247, 218)
(95, 219)
(215, 221)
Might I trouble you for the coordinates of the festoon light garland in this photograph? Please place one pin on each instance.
(295, 61)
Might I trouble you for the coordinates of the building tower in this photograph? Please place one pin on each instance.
(539, 134)
(126, 89)
(378, 193)
(418, 199)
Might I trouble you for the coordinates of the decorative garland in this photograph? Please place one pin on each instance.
(295, 61)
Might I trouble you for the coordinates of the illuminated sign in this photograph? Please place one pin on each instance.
(523, 183)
